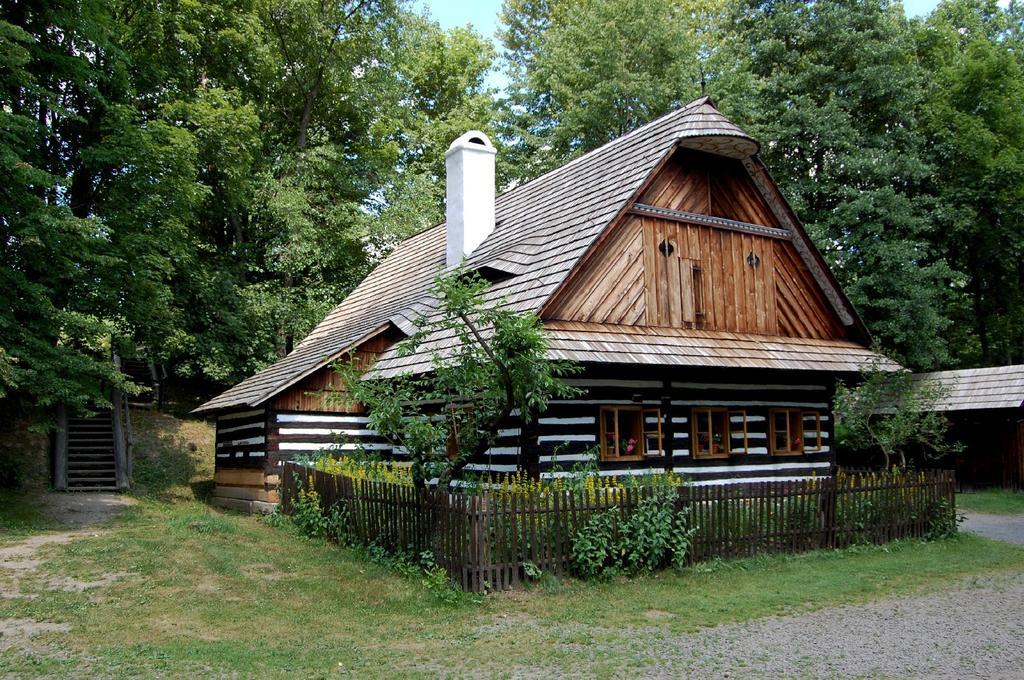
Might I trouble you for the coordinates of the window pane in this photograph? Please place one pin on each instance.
(703, 443)
(608, 420)
(630, 433)
(781, 427)
(796, 431)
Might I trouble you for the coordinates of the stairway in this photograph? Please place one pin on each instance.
(143, 374)
(91, 461)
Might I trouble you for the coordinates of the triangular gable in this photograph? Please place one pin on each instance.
(703, 246)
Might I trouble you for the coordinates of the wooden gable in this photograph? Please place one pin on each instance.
(323, 390)
(701, 248)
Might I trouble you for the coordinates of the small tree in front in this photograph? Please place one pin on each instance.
(487, 363)
(891, 411)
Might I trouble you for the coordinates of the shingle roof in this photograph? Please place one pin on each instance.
(615, 344)
(979, 388)
(542, 229)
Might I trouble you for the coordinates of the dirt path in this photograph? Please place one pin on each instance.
(81, 513)
(1009, 528)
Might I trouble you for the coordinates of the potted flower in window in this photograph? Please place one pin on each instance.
(629, 447)
(797, 444)
(716, 446)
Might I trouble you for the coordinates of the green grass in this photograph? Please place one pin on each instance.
(22, 515)
(206, 593)
(995, 501)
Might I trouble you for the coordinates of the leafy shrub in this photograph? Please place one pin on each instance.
(337, 527)
(945, 522)
(593, 546)
(653, 535)
(308, 514)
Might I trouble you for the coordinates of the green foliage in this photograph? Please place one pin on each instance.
(206, 179)
(498, 365)
(945, 521)
(834, 91)
(646, 538)
(974, 127)
(308, 514)
(587, 71)
(995, 501)
(891, 411)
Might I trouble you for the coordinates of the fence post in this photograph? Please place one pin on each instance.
(828, 490)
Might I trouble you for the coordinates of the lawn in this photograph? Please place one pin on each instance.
(995, 501)
(200, 592)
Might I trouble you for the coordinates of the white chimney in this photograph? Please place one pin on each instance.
(469, 198)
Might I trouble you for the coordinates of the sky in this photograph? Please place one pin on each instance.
(483, 14)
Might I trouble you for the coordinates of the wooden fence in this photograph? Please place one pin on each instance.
(484, 539)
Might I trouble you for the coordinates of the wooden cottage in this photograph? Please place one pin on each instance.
(667, 262)
(985, 409)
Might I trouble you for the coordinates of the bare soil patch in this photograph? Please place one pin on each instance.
(19, 561)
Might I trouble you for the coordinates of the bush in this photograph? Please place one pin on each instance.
(652, 536)
(308, 514)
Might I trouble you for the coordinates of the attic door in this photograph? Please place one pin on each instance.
(675, 281)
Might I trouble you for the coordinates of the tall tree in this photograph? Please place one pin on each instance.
(833, 90)
(586, 71)
(974, 125)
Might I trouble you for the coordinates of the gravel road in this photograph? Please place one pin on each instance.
(972, 630)
(1008, 528)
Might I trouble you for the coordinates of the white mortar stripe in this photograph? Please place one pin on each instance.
(259, 425)
(680, 419)
(502, 451)
(615, 402)
(635, 472)
(323, 446)
(568, 458)
(714, 469)
(487, 467)
(566, 438)
(589, 420)
(750, 435)
(681, 435)
(513, 432)
(680, 452)
(242, 442)
(223, 455)
(327, 431)
(722, 402)
(316, 418)
(738, 386)
(244, 414)
(256, 454)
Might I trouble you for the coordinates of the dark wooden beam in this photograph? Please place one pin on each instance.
(708, 220)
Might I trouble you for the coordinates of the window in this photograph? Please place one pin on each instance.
(793, 431)
(717, 432)
(630, 432)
